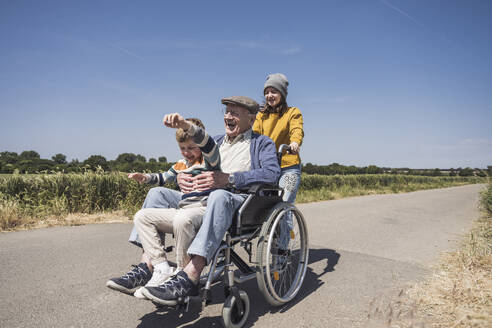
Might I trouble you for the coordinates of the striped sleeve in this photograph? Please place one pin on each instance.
(162, 178)
(207, 145)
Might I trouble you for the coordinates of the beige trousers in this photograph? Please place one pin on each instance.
(183, 222)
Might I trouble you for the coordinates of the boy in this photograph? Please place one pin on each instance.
(200, 154)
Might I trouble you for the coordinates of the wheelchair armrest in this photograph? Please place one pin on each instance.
(257, 188)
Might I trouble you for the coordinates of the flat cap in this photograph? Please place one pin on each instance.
(242, 101)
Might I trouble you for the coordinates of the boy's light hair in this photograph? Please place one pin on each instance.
(182, 136)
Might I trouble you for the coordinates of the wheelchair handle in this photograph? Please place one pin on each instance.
(281, 149)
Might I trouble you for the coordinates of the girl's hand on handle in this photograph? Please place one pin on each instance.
(294, 148)
(176, 121)
(139, 177)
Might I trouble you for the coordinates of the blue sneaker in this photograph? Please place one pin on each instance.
(175, 288)
(131, 281)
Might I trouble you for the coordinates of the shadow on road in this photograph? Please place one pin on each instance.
(163, 317)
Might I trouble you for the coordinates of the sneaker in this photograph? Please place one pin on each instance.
(159, 276)
(178, 286)
(131, 281)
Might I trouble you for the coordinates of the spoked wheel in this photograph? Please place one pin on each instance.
(282, 254)
(232, 317)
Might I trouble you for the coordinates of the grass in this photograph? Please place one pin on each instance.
(321, 187)
(459, 292)
(31, 200)
(48, 199)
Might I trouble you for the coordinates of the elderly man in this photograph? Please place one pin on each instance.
(246, 158)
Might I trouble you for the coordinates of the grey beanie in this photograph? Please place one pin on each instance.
(279, 82)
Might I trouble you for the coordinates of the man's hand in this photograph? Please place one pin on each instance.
(211, 179)
(176, 121)
(294, 148)
(139, 177)
(185, 182)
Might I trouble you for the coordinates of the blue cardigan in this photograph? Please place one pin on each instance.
(264, 164)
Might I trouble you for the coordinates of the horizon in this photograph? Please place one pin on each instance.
(317, 164)
(394, 84)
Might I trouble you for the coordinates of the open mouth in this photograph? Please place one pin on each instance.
(230, 125)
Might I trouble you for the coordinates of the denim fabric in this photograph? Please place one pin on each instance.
(290, 179)
(221, 207)
(158, 197)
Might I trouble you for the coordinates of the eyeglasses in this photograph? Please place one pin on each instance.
(231, 112)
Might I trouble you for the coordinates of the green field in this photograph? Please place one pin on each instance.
(325, 187)
(27, 199)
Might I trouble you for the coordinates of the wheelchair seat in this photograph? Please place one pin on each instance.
(255, 209)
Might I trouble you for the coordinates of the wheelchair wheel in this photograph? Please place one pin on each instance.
(231, 316)
(282, 254)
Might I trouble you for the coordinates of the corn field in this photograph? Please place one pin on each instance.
(24, 199)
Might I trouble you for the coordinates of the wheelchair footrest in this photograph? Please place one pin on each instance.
(184, 302)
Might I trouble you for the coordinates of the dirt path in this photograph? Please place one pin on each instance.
(361, 248)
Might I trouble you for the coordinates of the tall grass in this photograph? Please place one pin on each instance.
(324, 187)
(486, 200)
(25, 199)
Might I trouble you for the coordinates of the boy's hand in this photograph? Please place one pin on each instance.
(185, 182)
(139, 177)
(176, 121)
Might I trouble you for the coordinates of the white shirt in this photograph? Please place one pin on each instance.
(235, 155)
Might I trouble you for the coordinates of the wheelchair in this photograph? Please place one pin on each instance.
(274, 237)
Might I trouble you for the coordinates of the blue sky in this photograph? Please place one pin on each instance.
(390, 82)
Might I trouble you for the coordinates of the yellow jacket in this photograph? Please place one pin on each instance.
(282, 130)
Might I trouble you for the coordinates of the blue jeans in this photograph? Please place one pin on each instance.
(290, 179)
(158, 197)
(221, 206)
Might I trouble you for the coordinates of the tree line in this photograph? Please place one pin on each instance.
(30, 161)
(336, 168)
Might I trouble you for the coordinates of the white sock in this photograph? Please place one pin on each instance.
(163, 266)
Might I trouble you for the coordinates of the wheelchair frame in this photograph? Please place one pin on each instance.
(273, 264)
(237, 306)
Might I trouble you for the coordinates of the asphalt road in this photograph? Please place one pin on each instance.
(360, 248)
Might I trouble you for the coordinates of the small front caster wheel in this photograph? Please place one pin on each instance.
(232, 317)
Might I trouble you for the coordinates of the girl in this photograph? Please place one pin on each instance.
(283, 124)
